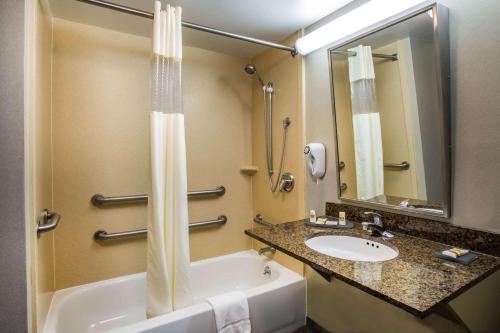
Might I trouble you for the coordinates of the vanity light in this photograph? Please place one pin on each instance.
(354, 21)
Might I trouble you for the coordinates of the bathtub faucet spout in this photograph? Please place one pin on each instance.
(267, 249)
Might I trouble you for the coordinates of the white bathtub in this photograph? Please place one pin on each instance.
(277, 302)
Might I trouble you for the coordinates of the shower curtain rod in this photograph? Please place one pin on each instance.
(141, 13)
(392, 57)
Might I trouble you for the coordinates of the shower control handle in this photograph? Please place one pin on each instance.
(287, 182)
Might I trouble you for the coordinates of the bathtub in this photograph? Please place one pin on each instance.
(276, 301)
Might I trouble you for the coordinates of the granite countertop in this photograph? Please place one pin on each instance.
(415, 280)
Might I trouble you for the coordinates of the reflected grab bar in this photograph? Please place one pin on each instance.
(403, 165)
(101, 235)
(99, 199)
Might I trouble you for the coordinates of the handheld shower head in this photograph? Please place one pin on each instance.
(251, 70)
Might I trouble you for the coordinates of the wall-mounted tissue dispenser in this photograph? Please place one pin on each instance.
(316, 159)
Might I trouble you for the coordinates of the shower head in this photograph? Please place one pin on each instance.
(251, 70)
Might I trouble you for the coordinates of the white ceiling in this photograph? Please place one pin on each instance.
(271, 20)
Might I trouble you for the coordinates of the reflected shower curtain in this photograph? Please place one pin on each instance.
(366, 125)
(168, 266)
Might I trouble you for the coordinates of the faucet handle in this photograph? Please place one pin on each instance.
(377, 218)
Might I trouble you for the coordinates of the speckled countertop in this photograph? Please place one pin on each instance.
(415, 281)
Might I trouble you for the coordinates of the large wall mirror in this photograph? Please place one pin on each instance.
(390, 89)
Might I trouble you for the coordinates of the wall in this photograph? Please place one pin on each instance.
(475, 120)
(356, 311)
(346, 132)
(100, 105)
(13, 291)
(395, 132)
(286, 74)
(475, 125)
(39, 178)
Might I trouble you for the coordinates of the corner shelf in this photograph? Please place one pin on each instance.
(249, 169)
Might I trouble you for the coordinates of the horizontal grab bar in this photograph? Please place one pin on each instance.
(403, 165)
(259, 219)
(101, 235)
(47, 221)
(99, 199)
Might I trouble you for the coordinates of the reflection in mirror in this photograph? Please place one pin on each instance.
(391, 128)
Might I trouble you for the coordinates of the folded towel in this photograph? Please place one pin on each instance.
(231, 312)
(466, 259)
(455, 252)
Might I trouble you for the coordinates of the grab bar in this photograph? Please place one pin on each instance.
(99, 199)
(101, 235)
(47, 221)
(260, 220)
(403, 165)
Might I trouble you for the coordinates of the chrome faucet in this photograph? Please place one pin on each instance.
(377, 218)
(376, 227)
(267, 249)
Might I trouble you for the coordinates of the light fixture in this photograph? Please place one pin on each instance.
(362, 17)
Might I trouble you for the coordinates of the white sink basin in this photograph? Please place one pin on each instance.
(351, 248)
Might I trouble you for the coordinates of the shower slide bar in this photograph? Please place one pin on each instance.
(141, 13)
(392, 57)
(101, 235)
(99, 199)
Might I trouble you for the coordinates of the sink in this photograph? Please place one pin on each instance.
(351, 248)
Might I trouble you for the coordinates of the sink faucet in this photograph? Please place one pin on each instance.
(376, 227)
(267, 249)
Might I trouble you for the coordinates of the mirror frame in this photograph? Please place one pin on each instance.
(442, 56)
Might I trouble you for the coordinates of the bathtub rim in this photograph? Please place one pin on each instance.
(286, 277)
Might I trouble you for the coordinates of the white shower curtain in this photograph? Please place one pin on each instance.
(168, 263)
(366, 124)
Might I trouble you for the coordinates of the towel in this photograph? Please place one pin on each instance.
(466, 259)
(231, 312)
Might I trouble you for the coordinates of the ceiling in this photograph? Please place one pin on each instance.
(271, 20)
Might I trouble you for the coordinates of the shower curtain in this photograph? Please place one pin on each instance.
(366, 124)
(168, 266)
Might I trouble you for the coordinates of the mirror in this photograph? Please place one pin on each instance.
(391, 104)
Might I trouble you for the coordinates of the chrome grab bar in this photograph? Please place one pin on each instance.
(99, 199)
(47, 221)
(101, 235)
(259, 219)
(403, 165)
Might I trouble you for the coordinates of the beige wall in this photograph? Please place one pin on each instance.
(395, 133)
(342, 93)
(100, 104)
(286, 74)
(39, 158)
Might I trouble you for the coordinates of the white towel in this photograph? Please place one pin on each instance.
(231, 312)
